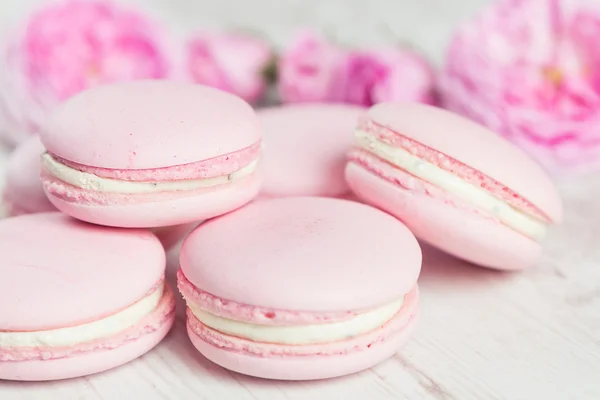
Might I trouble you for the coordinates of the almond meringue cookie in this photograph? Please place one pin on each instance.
(182, 153)
(300, 288)
(454, 183)
(71, 309)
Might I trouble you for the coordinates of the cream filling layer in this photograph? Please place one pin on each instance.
(508, 215)
(301, 334)
(93, 182)
(74, 335)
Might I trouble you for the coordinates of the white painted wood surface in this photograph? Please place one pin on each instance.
(483, 335)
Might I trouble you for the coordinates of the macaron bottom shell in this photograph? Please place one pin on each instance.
(117, 350)
(84, 364)
(459, 231)
(154, 211)
(311, 362)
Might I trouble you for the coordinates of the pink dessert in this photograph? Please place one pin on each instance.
(69, 309)
(151, 154)
(454, 183)
(23, 193)
(305, 149)
(300, 288)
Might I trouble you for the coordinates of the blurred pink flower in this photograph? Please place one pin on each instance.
(231, 62)
(392, 74)
(313, 69)
(310, 70)
(69, 46)
(532, 75)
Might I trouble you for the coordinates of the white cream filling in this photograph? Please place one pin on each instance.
(301, 334)
(93, 182)
(508, 215)
(75, 335)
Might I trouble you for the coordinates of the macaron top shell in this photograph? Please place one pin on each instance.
(150, 124)
(23, 176)
(57, 271)
(303, 253)
(305, 148)
(473, 145)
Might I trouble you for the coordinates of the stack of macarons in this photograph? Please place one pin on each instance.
(131, 168)
(306, 262)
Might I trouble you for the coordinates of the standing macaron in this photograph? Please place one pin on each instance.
(151, 153)
(23, 193)
(70, 309)
(305, 149)
(300, 288)
(454, 183)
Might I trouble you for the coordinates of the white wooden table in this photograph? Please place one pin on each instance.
(483, 335)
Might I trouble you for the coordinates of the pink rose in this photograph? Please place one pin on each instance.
(530, 71)
(310, 70)
(231, 62)
(313, 70)
(70, 46)
(372, 77)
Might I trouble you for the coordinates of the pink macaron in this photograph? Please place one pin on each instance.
(305, 149)
(300, 288)
(23, 193)
(70, 309)
(151, 153)
(454, 183)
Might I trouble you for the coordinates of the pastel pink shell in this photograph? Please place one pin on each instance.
(149, 125)
(272, 253)
(53, 278)
(305, 148)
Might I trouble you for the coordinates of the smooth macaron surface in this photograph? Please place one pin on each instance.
(308, 254)
(60, 272)
(150, 124)
(305, 148)
(474, 145)
(24, 192)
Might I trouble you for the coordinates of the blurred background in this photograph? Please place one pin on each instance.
(524, 68)
(426, 24)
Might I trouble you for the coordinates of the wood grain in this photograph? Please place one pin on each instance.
(482, 334)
